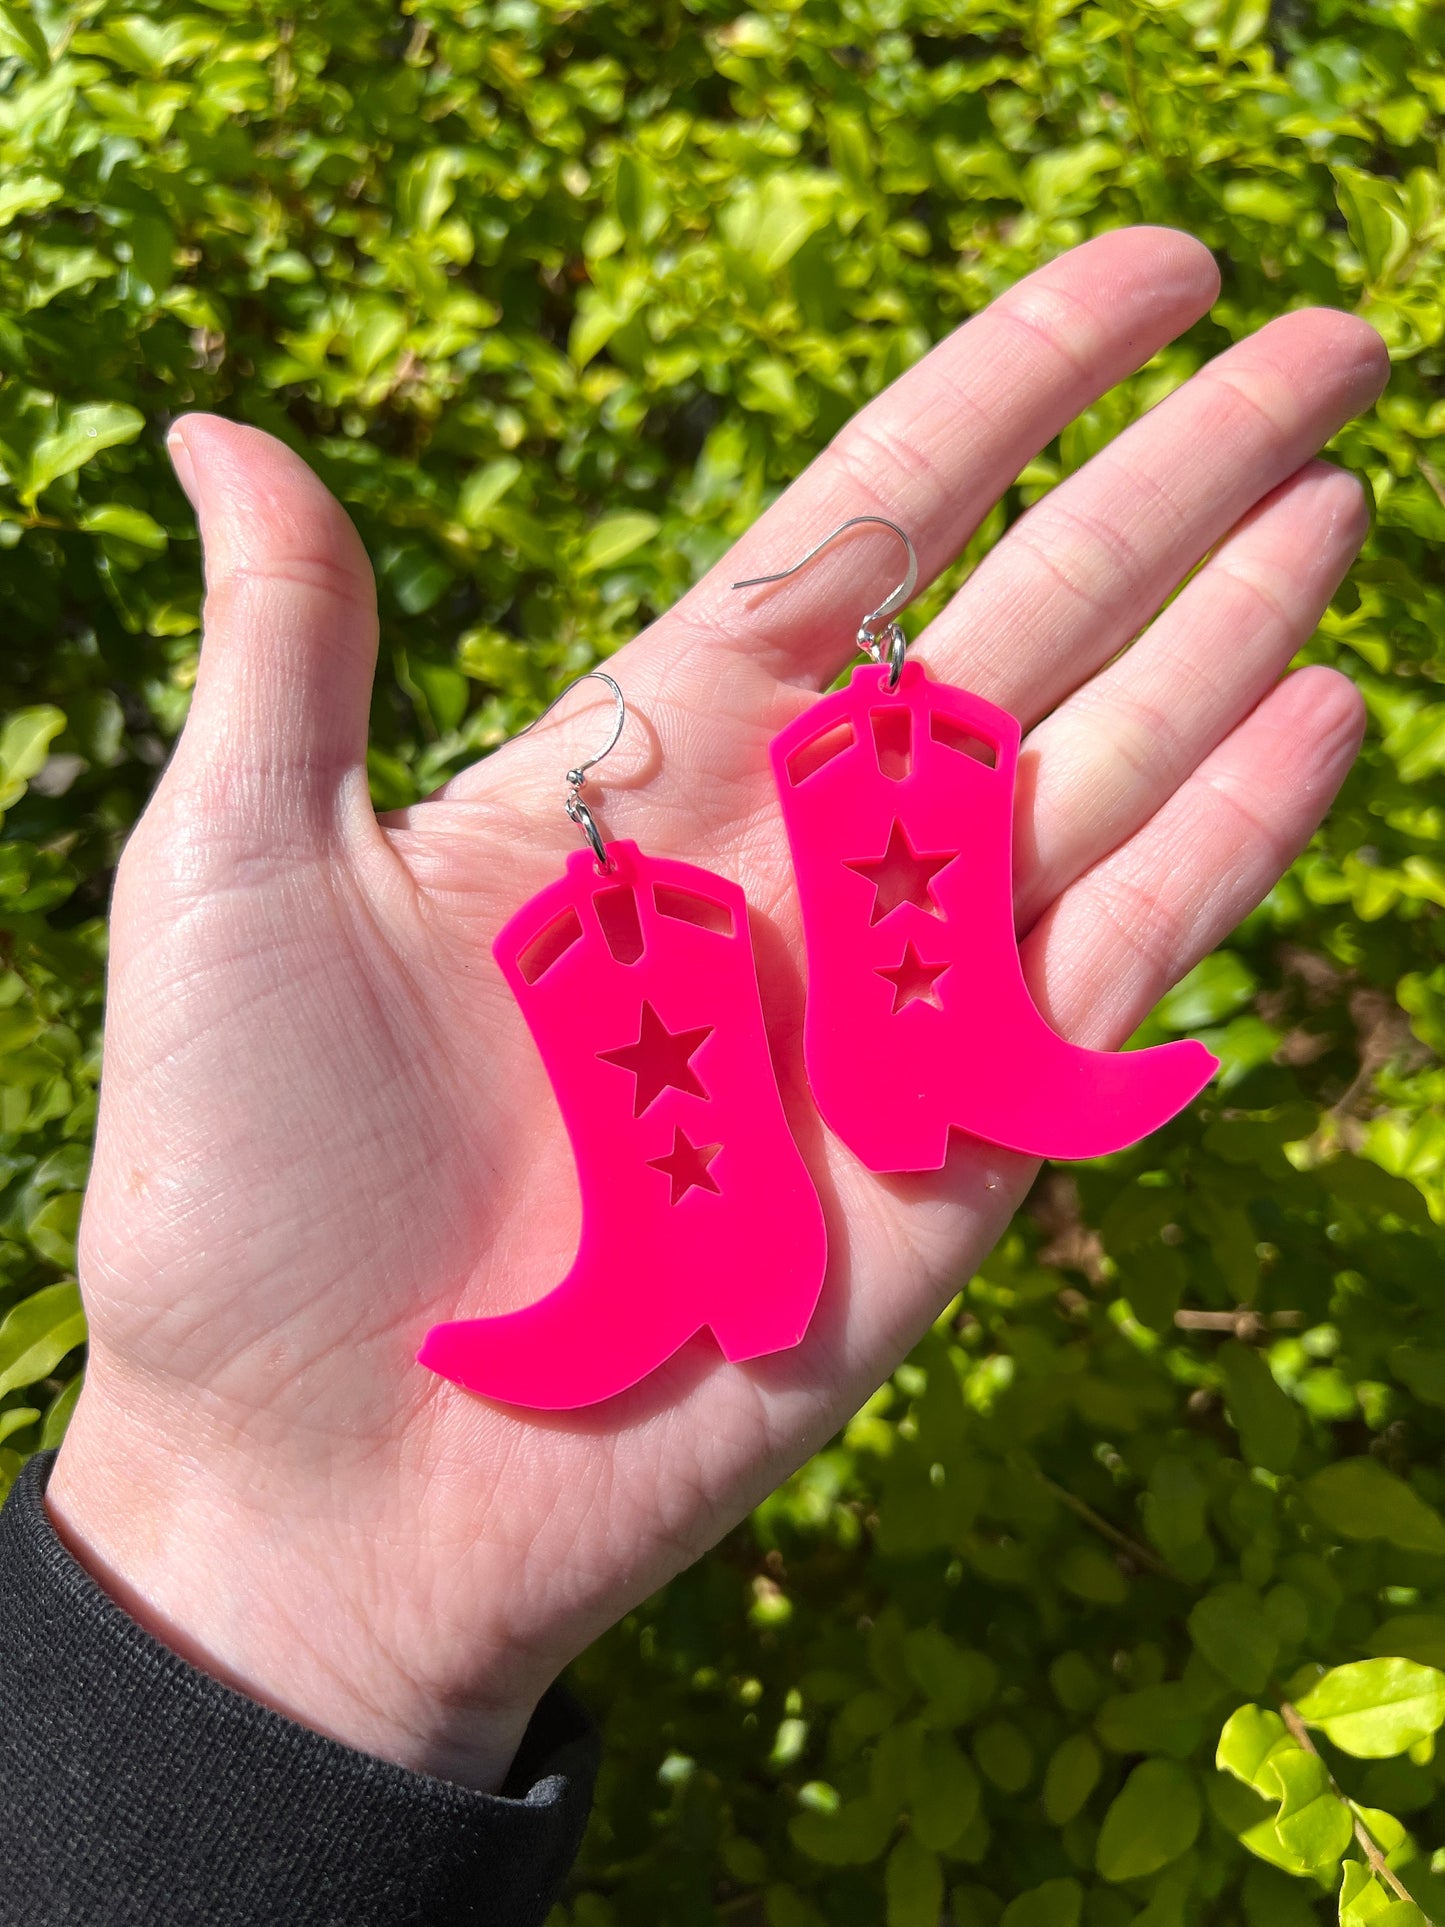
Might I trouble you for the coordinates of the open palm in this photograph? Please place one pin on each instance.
(324, 1127)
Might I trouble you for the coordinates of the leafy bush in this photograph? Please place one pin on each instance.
(555, 298)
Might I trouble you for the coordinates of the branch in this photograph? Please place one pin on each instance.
(1101, 1525)
(1244, 1323)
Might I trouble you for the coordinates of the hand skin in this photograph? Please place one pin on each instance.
(324, 1127)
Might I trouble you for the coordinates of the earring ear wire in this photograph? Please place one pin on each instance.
(577, 810)
(878, 633)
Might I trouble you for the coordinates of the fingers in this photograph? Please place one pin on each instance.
(1106, 951)
(937, 449)
(1118, 748)
(283, 691)
(1079, 574)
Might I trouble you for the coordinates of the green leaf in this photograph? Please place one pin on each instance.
(25, 740)
(850, 148)
(376, 333)
(428, 188)
(1212, 990)
(774, 224)
(1359, 1499)
(594, 325)
(84, 433)
(52, 1227)
(782, 1907)
(943, 1792)
(1368, 1902)
(1004, 1755)
(114, 518)
(1388, 1833)
(16, 1419)
(1089, 1573)
(1314, 1824)
(21, 37)
(27, 194)
(57, 1415)
(1376, 1708)
(1230, 1629)
(1268, 1422)
(639, 199)
(1153, 1819)
(1258, 200)
(1170, 1896)
(417, 576)
(37, 1333)
(1422, 1368)
(1062, 181)
(614, 538)
(1151, 1719)
(1174, 1506)
(1375, 215)
(1360, 1898)
(1070, 1777)
(1417, 1636)
(913, 1885)
(956, 1681)
(1057, 1903)
(768, 388)
(853, 1835)
(1251, 1735)
(485, 487)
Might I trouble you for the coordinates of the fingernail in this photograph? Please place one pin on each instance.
(183, 465)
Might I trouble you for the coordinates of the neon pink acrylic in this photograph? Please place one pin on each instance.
(899, 809)
(640, 989)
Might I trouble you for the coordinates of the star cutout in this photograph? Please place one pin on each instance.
(660, 1060)
(686, 1164)
(913, 980)
(902, 875)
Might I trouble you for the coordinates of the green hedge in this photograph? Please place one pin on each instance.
(556, 297)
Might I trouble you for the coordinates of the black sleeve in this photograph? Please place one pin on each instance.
(135, 1789)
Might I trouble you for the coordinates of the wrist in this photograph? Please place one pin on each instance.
(216, 1561)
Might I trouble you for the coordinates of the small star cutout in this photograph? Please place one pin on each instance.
(660, 1060)
(913, 980)
(902, 875)
(686, 1164)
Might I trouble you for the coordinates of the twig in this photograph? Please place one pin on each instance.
(1109, 1531)
(1243, 1323)
(1365, 1839)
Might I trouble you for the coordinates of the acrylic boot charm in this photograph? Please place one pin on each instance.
(638, 984)
(897, 793)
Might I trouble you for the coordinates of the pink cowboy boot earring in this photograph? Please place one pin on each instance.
(897, 793)
(636, 977)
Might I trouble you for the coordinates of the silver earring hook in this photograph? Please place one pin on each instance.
(878, 633)
(577, 810)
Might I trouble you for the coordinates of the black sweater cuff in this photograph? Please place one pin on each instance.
(136, 1789)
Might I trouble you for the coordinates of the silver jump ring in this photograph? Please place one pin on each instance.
(579, 813)
(889, 649)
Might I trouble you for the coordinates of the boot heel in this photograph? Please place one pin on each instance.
(753, 1331)
(764, 1318)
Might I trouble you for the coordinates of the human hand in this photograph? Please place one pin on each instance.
(324, 1127)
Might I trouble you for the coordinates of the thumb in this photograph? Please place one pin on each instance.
(279, 714)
